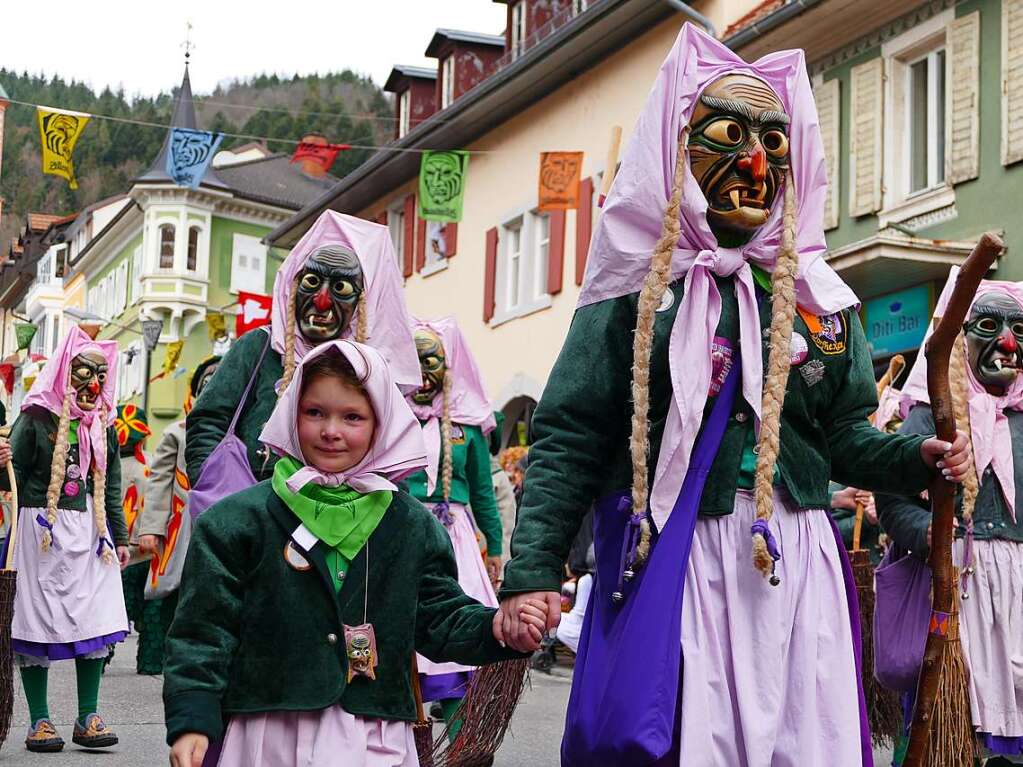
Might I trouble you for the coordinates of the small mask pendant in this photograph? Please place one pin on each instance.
(361, 647)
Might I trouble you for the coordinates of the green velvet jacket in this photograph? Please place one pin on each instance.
(32, 439)
(583, 421)
(253, 634)
(471, 483)
(211, 415)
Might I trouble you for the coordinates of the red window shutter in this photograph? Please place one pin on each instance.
(451, 239)
(556, 253)
(583, 227)
(490, 275)
(382, 217)
(410, 232)
(420, 244)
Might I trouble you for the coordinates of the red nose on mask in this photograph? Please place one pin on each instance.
(93, 386)
(321, 300)
(755, 162)
(1007, 342)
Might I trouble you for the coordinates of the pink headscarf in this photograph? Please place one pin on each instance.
(397, 448)
(630, 226)
(55, 379)
(989, 426)
(388, 319)
(469, 403)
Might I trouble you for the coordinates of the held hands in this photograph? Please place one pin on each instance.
(189, 750)
(493, 569)
(953, 460)
(523, 619)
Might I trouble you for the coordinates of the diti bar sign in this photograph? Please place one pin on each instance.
(897, 322)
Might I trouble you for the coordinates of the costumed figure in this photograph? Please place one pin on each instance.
(162, 530)
(69, 601)
(504, 493)
(350, 574)
(340, 281)
(455, 413)
(987, 389)
(714, 377)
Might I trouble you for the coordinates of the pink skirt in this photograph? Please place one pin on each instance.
(317, 739)
(769, 676)
(472, 577)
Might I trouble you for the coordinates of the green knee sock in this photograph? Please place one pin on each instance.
(33, 678)
(449, 706)
(88, 672)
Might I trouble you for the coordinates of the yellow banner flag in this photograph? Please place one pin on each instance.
(173, 355)
(59, 131)
(216, 325)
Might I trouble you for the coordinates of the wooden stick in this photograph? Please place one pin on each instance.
(417, 691)
(944, 633)
(12, 533)
(858, 526)
(612, 164)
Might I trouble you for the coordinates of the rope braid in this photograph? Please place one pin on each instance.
(961, 409)
(445, 429)
(361, 319)
(289, 340)
(650, 296)
(58, 467)
(783, 312)
(99, 487)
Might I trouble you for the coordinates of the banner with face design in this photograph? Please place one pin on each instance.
(560, 173)
(58, 132)
(191, 152)
(442, 185)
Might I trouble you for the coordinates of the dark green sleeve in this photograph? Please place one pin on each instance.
(906, 518)
(575, 430)
(450, 625)
(861, 455)
(24, 442)
(211, 414)
(481, 489)
(114, 496)
(203, 638)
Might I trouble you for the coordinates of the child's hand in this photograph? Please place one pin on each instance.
(534, 615)
(189, 750)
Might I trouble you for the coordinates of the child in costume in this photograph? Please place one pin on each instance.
(705, 415)
(69, 601)
(985, 378)
(456, 416)
(304, 598)
(340, 281)
(159, 526)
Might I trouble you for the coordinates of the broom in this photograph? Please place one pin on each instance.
(8, 584)
(422, 730)
(941, 734)
(883, 709)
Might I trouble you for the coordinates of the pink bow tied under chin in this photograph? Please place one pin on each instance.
(722, 261)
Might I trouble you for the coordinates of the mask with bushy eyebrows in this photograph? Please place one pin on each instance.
(432, 362)
(88, 375)
(329, 287)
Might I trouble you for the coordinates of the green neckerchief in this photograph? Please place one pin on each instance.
(72, 432)
(762, 278)
(341, 517)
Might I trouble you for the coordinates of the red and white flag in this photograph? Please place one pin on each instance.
(255, 312)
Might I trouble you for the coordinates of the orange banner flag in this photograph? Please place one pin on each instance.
(559, 180)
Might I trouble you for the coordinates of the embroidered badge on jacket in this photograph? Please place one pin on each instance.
(812, 372)
(828, 332)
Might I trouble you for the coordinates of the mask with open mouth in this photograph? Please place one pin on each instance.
(88, 376)
(433, 363)
(739, 153)
(329, 287)
(994, 333)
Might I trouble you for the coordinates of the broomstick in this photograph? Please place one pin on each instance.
(883, 709)
(941, 734)
(422, 730)
(8, 584)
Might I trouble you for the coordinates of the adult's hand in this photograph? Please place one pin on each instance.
(513, 631)
(494, 570)
(844, 498)
(5, 453)
(954, 459)
(866, 499)
(123, 556)
(189, 750)
(150, 545)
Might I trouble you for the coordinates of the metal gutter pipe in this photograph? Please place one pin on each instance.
(695, 15)
(791, 9)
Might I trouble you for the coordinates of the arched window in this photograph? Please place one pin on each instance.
(167, 246)
(193, 248)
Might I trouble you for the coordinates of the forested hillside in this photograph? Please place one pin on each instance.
(346, 107)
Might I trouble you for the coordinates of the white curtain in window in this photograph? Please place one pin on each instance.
(248, 264)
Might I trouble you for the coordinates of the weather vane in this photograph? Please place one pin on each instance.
(188, 45)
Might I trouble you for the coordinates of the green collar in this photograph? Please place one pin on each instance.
(762, 278)
(341, 517)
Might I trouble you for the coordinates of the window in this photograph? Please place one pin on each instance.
(524, 245)
(925, 116)
(396, 226)
(404, 112)
(136, 275)
(60, 262)
(436, 246)
(513, 259)
(193, 248)
(38, 345)
(44, 269)
(447, 81)
(518, 28)
(166, 246)
(248, 264)
(578, 6)
(120, 288)
(51, 347)
(130, 381)
(542, 231)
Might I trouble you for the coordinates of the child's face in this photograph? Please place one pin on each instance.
(335, 424)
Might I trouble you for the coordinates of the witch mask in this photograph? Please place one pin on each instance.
(994, 332)
(739, 153)
(88, 375)
(329, 287)
(432, 362)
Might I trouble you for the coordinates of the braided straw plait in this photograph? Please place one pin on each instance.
(445, 429)
(361, 319)
(654, 285)
(58, 467)
(783, 313)
(289, 340)
(99, 487)
(961, 408)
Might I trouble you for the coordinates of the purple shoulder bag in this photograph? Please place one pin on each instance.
(902, 613)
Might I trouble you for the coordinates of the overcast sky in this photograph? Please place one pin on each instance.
(139, 45)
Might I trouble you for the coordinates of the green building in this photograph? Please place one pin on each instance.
(174, 254)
